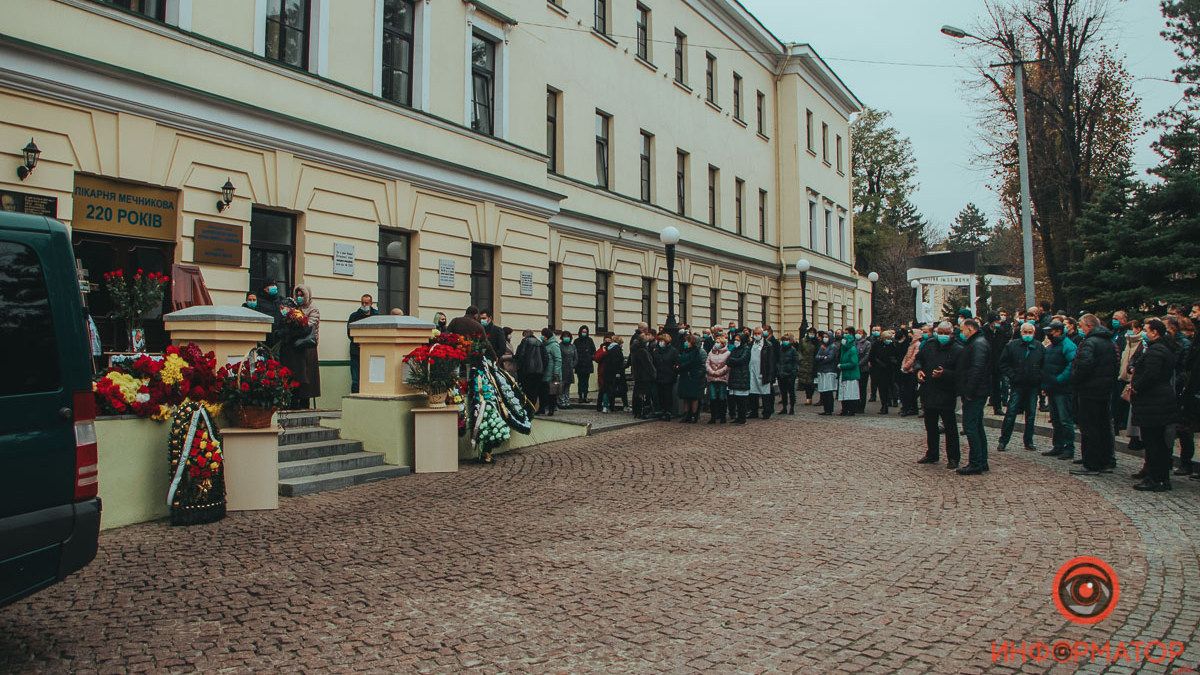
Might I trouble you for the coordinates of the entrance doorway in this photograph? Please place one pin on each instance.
(98, 253)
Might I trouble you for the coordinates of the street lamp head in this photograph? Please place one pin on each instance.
(956, 33)
(803, 265)
(914, 283)
(669, 235)
(873, 277)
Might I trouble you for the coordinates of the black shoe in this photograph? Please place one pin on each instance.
(1140, 474)
(1052, 452)
(1109, 469)
(739, 421)
(1183, 471)
(825, 414)
(1153, 486)
(1002, 447)
(970, 470)
(951, 465)
(1031, 448)
(1136, 444)
(1077, 461)
(927, 460)
(1084, 471)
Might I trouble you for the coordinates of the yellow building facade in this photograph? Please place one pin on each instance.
(522, 156)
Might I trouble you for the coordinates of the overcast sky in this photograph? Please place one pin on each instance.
(931, 105)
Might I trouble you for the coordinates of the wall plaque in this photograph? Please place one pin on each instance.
(446, 272)
(125, 209)
(343, 259)
(25, 202)
(217, 243)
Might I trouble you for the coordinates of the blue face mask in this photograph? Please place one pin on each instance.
(272, 290)
(1027, 338)
(1145, 339)
(786, 343)
(943, 339)
(252, 304)
(874, 333)
(1116, 324)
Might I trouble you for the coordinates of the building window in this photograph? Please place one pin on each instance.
(714, 181)
(483, 279)
(762, 215)
(272, 249)
(393, 270)
(602, 149)
(761, 112)
(808, 130)
(737, 97)
(680, 61)
(714, 306)
(710, 78)
(812, 225)
(602, 284)
(552, 130)
(552, 295)
(647, 171)
(843, 252)
(643, 32)
(648, 300)
(287, 32)
(483, 84)
(838, 154)
(825, 142)
(828, 232)
(151, 9)
(685, 296)
(766, 320)
(681, 165)
(739, 209)
(741, 310)
(601, 16)
(398, 50)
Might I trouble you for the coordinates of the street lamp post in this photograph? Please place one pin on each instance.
(1018, 65)
(669, 237)
(802, 266)
(917, 299)
(872, 277)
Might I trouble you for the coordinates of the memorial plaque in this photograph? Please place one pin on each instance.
(217, 243)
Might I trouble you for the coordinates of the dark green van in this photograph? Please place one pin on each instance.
(49, 508)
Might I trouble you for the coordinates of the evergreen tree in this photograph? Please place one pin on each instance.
(970, 231)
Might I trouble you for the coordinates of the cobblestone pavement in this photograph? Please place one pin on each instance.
(805, 544)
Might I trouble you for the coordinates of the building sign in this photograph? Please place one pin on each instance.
(527, 284)
(217, 243)
(446, 272)
(124, 209)
(24, 202)
(343, 259)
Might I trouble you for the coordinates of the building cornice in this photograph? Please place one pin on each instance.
(743, 28)
(804, 61)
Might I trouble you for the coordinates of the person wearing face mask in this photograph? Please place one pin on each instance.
(870, 383)
(998, 335)
(690, 367)
(862, 344)
(531, 364)
(806, 357)
(716, 375)
(494, 335)
(849, 375)
(763, 372)
(826, 366)
(1120, 407)
(268, 302)
(1131, 351)
(440, 322)
(569, 361)
(885, 363)
(552, 375)
(299, 353)
(1093, 372)
(585, 350)
(1181, 330)
(1056, 383)
(665, 356)
(1021, 365)
(974, 383)
(739, 377)
(1153, 402)
(935, 366)
(251, 301)
(365, 309)
(789, 369)
(641, 366)
(907, 379)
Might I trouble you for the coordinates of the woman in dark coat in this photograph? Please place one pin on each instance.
(1154, 405)
(885, 365)
(612, 367)
(665, 356)
(299, 352)
(690, 365)
(806, 350)
(585, 349)
(641, 367)
(789, 368)
(739, 378)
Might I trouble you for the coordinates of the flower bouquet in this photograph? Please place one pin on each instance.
(134, 295)
(434, 368)
(153, 386)
(254, 389)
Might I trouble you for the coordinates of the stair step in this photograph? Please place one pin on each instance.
(317, 449)
(290, 419)
(295, 487)
(330, 464)
(295, 435)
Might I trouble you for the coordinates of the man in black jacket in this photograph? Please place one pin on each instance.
(934, 366)
(495, 338)
(998, 335)
(366, 308)
(974, 383)
(1021, 365)
(664, 357)
(1092, 374)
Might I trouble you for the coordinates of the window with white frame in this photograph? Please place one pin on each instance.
(399, 20)
(483, 83)
(812, 224)
(843, 236)
(288, 32)
(643, 32)
(828, 232)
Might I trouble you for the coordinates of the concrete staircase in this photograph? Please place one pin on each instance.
(313, 458)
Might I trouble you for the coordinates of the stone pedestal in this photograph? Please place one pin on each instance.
(251, 468)
(383, 424)
(383, 343)
(435, 431)
(229, 332)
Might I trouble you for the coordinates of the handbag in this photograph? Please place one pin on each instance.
(554, 388)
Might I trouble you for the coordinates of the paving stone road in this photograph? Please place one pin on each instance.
(803, 544)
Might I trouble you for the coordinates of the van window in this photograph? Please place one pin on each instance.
(29, 359)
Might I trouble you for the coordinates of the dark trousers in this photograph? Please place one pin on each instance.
(547, 402)
(1095, 433)
(1020, 400)
(665, 398)
(908, 392)
(808, 388)
(1158, 453)
(1120, 407)
(643, 399)
(884, 382)
(863, 386)
(972, 419)
(787, 393)
(1062, 417)
(531, 386)
(934, 416)
(737, 407)
(354, 352)
(584, 383)
(1187, 444)
(827, 402)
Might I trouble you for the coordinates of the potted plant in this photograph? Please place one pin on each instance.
(254, 389)
(435, 368)
(133, 296)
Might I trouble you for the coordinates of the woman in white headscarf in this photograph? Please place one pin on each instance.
(299, 352)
